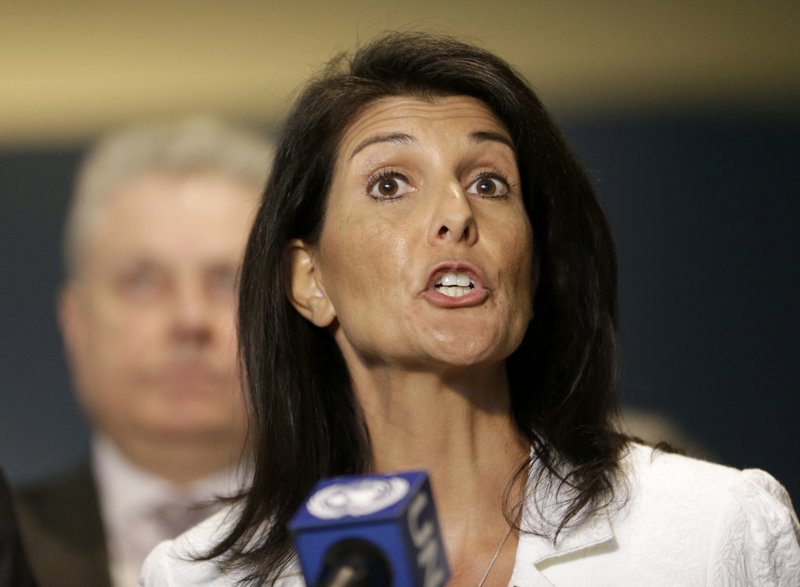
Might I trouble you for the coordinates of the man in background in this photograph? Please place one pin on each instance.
(153, 244)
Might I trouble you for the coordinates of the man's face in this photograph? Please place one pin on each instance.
(149, 320)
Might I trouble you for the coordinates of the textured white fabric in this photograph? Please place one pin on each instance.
(130, 499)
(684, 522)
(171, 564)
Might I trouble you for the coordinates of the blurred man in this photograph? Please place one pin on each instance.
(153, 244)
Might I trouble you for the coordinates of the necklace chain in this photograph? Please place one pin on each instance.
(494, 556)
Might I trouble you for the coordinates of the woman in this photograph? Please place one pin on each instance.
(430, 284)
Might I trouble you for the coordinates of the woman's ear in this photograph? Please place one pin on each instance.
(306, 292)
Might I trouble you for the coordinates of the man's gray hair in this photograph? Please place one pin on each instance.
(188, 146)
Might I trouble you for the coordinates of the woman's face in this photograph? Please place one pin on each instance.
(426, 252)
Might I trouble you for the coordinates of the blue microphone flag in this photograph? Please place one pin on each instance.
(395, 513)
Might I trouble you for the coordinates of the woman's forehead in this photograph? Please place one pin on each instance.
(403, 117)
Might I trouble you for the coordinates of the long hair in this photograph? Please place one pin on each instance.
(305, 421)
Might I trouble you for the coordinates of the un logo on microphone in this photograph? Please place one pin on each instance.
(383, 527)
(357, 498)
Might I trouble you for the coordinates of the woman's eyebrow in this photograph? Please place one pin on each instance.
(399, 137)
(485, 135)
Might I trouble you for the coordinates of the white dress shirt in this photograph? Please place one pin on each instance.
(132, 504)
(684, 522)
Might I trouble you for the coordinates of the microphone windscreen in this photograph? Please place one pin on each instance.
(395, 514)
(354, 563)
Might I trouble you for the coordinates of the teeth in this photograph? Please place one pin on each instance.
(454, 284)
(453, 291)
(452, 278)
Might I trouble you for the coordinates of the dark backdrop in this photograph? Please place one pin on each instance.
(704, 213)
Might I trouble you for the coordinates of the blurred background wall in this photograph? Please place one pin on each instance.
(686, 113)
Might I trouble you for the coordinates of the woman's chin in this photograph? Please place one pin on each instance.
(466, 356)
(468, 347)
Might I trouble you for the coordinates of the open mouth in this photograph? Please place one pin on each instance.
(454, 284)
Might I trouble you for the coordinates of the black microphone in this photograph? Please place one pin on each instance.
(371, 531)
(354, 562)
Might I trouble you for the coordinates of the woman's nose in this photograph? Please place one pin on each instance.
(452, 218)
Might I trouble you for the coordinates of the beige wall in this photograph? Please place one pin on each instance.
(72, 69)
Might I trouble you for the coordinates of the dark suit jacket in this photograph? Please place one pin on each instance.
(63, 531)
(14, 571)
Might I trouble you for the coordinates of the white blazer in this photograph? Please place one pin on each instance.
(677, 521)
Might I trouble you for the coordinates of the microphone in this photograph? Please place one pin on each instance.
(371, 531)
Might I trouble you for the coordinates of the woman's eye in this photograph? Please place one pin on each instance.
(488, 186)
(388, 186)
